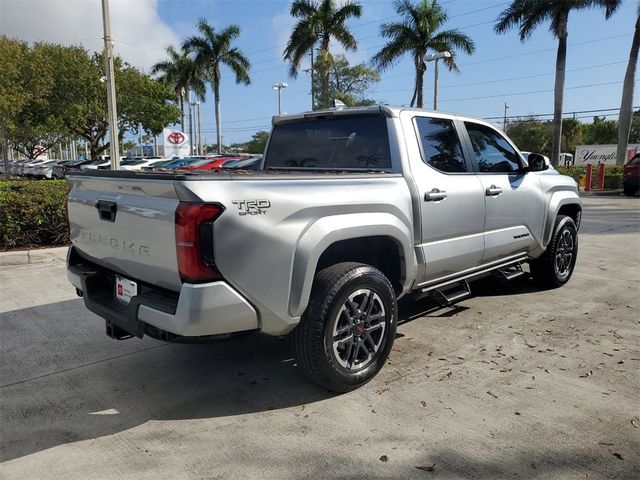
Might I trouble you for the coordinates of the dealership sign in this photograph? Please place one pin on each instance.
(176, 143)
(596, 154)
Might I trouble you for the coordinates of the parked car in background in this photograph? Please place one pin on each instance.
(631, 176)
(245, 163)
(44, 169)
(158, 164)
(137, 163)
(29, 167)
(59, 169)
(211, 163)
(182, 162)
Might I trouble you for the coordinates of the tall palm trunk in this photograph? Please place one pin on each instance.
(561, 62)
(626, 105)
(325, 101)
(415, 90)
(216, 94)
(419, 85)
(182, 117)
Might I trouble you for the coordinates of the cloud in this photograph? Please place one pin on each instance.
(139, 34)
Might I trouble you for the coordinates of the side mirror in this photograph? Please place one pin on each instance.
(537, 163)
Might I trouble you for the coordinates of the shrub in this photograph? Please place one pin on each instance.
(612, 176)
(33, 214)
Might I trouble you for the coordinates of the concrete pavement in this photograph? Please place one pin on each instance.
(514, 382)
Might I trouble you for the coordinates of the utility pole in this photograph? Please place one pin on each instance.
(504, 121)
(279, 87)
(434, 58)
(111, 87)
(141, 144)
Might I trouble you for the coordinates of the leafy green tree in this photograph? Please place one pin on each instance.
(141, 101)
(179, 71)
(572, 134)
(634, 134)
(257, 143)
(626, 103)
(527, 15)
(419, 33)
(346, 83)
(531, 135)
(211, 50)
(601, 131)
(319, 21)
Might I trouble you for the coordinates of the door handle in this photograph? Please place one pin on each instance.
(435, 195)
(493, 191)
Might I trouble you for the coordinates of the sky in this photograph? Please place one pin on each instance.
(502, 69)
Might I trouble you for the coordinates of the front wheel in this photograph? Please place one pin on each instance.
(347, 331)
(555, 267)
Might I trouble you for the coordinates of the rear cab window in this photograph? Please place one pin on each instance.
(440, 145)
(340, 142)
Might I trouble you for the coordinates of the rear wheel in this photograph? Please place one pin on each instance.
(555, 267)
(630, 191)
(346, 332)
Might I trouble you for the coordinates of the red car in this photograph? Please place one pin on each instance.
(631, 176)
(210, 164)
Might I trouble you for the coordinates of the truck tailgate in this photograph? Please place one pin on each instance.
(126, 225)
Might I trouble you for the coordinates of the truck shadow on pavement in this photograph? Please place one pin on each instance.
(84, 385)
(62, 380)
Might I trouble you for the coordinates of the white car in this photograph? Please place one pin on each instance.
(29, 167)
(138, 163)
(44, 169)
(546, 159)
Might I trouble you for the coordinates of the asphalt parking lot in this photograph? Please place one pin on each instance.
(512, 383)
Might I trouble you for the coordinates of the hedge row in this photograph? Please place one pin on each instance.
(33, 214)
(612, 177)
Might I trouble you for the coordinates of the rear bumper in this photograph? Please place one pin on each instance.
(198, 310)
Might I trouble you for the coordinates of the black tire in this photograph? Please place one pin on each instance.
(550, 270)
(629, 190)
(320, 352)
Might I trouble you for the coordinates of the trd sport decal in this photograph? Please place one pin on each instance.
(252, 207)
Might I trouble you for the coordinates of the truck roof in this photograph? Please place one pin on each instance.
(392, 111)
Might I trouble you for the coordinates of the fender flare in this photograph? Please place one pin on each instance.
(558, 200)
(328, 230)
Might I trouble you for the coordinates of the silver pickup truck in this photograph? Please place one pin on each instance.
(352, 209)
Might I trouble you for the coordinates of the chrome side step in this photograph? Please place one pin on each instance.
(510, 272)
(451, 293)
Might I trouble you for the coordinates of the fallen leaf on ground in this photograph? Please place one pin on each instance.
(503, 370)
(424, 404)
(617, 455)
(492, 394)
(426, 468)
(446, 376)
(384, 458)
(381, 391)
(429, 354)
(588, 374)
(635, 421)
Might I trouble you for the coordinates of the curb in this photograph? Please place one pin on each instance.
(30, 257)
(605, 193)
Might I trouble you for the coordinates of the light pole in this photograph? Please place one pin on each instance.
(111, 87)
(435, 57)
(279, 87)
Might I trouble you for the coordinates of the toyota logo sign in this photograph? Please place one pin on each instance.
(176, 138)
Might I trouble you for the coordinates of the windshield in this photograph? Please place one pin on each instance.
(334, 143)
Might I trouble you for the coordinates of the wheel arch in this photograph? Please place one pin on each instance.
(377, 239)
(562, 203)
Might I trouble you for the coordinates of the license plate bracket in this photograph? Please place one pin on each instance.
(125, 290)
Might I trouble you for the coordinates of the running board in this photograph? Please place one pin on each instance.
(451, 294)
(510, 272)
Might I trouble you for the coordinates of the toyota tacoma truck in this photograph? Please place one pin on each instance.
(352, 209)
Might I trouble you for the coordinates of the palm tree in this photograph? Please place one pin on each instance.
(626, 104)
(417, 34)
(527, 15)
(319, 22)
(211, 50)
(179, 71)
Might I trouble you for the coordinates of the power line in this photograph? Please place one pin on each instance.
(551, 114)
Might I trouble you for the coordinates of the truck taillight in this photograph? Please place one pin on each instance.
(194, 241)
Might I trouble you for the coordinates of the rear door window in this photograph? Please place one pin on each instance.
(441, 147)
(330, 143)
